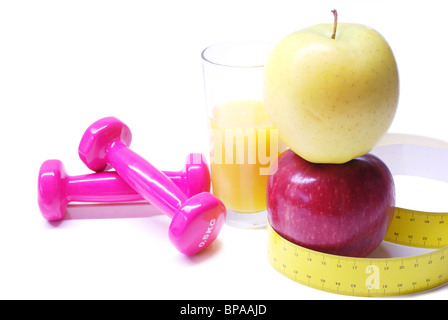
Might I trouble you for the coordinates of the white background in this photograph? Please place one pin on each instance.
(65, 64)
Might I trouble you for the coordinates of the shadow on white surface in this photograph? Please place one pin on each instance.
(133, 210)
(110, 211)
(206, 254)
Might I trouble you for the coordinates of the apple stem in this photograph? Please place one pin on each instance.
(335, 13)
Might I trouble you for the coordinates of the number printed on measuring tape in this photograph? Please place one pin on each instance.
(418, 229)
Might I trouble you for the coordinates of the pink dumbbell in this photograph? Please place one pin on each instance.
(56, 189)
(196, 221)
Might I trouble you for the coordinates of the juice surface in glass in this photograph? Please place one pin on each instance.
(244, 144)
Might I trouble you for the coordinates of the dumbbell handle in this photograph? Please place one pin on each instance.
(108, 187)
(145, 179)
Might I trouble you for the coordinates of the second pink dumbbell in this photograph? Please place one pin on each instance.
(56, 189)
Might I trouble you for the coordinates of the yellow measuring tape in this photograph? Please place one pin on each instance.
(381, 276)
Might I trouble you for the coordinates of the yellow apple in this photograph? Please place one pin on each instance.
(331, 99)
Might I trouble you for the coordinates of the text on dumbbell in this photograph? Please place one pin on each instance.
(207, 233)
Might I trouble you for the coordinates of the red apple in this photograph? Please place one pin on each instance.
(342, 209)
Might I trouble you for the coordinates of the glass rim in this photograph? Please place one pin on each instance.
(235, 42)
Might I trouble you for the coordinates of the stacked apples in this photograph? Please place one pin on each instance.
(332, 91)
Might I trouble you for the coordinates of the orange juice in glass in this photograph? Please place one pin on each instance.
(243, 142)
